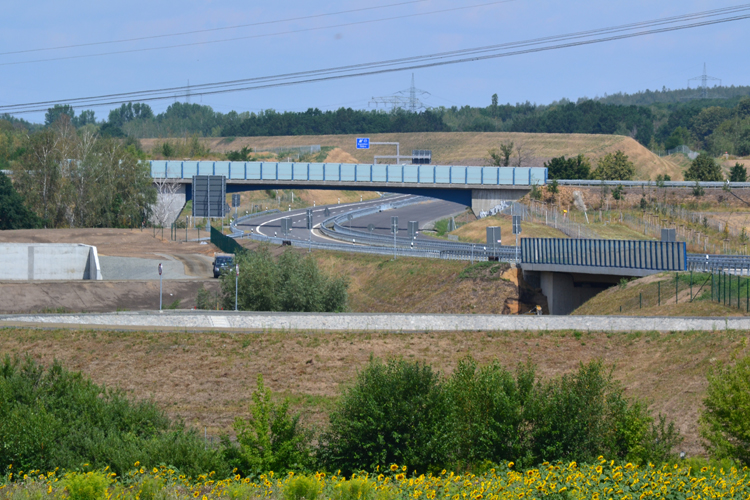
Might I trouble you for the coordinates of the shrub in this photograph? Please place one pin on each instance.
(271, 439)
(396, 412)
(488, 411)
(50, 417)
(302, 487)
(357, 488)
(87, 486)
(725, 421)
(291, 283)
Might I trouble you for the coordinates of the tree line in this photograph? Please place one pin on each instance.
(659, 119)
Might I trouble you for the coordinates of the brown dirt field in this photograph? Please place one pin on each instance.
(98, 296)
(338, 155)
(468, 148)
(476, 231)
(207, 378)
(113, 242)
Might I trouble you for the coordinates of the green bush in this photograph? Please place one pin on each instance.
(293, 283)
(356, 488)
(395, 412)
(725, 421)
(488, 412)
(302, 487)
(87, 486)
(270, 440)
(50, 417)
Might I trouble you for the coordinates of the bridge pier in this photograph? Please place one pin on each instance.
(482, 200)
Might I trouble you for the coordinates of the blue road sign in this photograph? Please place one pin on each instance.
(363, 143)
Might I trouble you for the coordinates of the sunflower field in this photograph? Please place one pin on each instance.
(597, 481)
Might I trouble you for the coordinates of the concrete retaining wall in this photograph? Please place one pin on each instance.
(49, 261)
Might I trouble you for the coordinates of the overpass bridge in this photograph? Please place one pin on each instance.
(481, 188)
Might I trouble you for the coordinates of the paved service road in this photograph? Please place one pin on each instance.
(321, 322)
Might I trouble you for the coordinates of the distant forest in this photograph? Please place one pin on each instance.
(660, 119)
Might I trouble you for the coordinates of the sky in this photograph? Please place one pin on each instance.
(315, 35)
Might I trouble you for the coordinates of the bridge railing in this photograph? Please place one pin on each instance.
(629, 254)
(351, 172)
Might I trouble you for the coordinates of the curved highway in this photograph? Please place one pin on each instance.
(423, 212)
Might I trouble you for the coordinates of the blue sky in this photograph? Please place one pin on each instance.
(629, 65)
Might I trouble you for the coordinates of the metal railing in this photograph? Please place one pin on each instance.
(653, 184)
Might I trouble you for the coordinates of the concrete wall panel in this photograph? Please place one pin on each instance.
(24, 261)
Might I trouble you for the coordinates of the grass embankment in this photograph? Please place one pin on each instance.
(207, 378)
(476, 230)
(663, 295)
(380, 284)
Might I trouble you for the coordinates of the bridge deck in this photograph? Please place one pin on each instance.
(350, 175)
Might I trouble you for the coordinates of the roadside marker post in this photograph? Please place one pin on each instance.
(394, 230)
(160, 288)
(516, 231)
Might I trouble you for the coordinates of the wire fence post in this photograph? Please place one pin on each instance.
(659, 293)
(676, 284)
(640, 300)
(691, 285)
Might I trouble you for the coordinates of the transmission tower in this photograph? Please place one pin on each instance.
(404, 99)
(704, 78)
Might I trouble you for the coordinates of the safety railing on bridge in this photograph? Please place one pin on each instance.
(351, 173)
(629, 254)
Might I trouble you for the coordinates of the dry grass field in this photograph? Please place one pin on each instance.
(466, 148)
(207, 378)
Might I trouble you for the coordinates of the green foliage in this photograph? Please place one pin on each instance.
(615, 167)
(106, 186)
(241, 155)
(725, 421)
(618, 193)
(489, 412)
(270, 439)
(356, 488)
(302, 488)
(704, 168)
(698, 190)
(738, 173)
(680, 136)
(292, 283)
(643, 204)
(87, 486)
(501, 158)
(395, 412)
(167, 150)
(204, 300)
(571, 168)
(50, 418)
(553, 187)
(13, 211)
(536, 193)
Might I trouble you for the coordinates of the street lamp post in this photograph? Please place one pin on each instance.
(236, 283)
(160, 288)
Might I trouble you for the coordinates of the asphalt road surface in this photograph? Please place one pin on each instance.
(423, 212)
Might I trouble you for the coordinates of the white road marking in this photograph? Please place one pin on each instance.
(219, 322)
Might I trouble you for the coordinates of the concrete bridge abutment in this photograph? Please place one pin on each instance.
(482, 200)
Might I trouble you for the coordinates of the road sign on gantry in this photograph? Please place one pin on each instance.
(516, 224)
(209, 195)
(363, 143)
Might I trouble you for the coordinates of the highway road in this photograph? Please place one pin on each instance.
(423, 212)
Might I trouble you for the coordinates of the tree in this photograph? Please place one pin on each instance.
(615, 167)
(571, 168)
(86, 117)
(680, 136)
(395, 413)
(270, 440)
(738, 173)
(53, 114)
(705, 169)
(501, 158)
(13, 212)
(725, 420)
(493, 106)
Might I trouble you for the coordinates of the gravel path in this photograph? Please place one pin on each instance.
(375, 322)
(133, 268)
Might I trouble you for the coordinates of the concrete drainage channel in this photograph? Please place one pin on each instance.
(305, 322)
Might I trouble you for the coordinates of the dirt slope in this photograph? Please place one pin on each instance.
(468, 148)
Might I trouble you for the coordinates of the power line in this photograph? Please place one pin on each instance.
(418, 62)
(140, 95)
(249, 37)
(210, 30)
